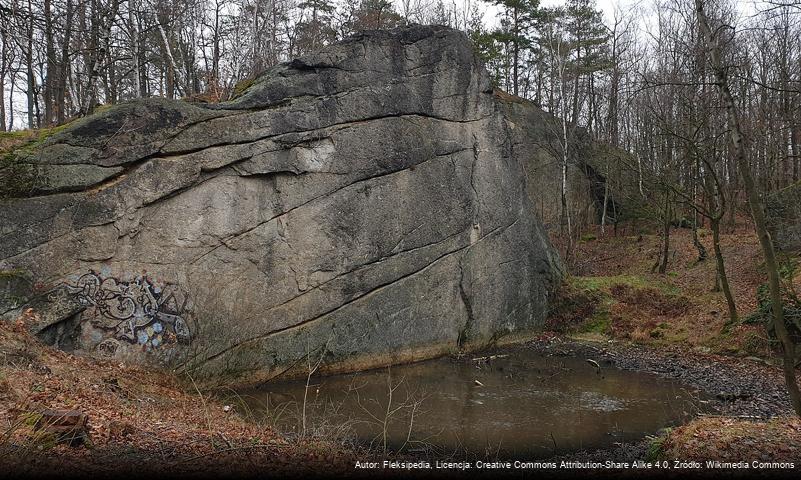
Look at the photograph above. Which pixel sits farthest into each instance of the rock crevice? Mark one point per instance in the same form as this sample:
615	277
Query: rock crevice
364	200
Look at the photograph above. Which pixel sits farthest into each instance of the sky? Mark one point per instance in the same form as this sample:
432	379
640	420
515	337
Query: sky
746	7
607	6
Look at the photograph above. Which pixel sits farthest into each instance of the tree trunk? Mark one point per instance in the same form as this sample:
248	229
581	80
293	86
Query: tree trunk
576	86
516	53
795	147
10	126
698	245
133	27
665	236
51	76
90	95
606	200
3	68
722	277
59	102
31	82
110	72
756	206
171	67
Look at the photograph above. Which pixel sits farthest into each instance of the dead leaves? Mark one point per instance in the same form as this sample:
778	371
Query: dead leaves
133	412
734	439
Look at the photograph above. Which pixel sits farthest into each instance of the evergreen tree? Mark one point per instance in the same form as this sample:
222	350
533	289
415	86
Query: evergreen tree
589	39
515	35
486	45
374	15
315	28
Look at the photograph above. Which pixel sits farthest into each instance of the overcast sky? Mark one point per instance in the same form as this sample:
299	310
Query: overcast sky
746	7
646	7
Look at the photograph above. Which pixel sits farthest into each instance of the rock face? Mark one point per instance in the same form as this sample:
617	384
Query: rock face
364	205
784	217
537	139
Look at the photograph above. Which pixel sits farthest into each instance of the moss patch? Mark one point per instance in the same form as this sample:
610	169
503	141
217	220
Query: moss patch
242	85
17	175
15	273
27	141
626	306
571	306
15	139
598	323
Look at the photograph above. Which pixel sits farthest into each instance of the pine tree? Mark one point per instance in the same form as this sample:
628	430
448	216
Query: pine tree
315	28
589	39
374	15
515	35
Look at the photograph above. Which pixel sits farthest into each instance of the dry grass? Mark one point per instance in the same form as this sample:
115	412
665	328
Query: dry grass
135	415
12	140
679	307
734	440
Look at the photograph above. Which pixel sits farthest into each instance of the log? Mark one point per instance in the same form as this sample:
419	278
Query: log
68	426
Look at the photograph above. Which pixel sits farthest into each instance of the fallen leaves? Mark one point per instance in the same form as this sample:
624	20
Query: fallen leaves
680	307
733	439
135	414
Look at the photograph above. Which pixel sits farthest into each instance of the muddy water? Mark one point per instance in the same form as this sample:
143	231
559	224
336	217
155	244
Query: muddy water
523	404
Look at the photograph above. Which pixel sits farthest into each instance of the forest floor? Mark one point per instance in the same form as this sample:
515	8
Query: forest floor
139	421
673	324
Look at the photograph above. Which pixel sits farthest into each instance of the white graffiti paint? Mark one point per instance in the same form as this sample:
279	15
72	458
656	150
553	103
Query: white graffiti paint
140	311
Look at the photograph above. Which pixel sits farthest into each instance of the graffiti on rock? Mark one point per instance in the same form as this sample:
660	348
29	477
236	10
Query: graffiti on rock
139	311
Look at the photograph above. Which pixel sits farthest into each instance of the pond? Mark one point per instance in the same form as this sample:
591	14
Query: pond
513	405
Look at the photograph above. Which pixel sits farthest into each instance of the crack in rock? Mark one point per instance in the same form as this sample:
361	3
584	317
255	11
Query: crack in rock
367	198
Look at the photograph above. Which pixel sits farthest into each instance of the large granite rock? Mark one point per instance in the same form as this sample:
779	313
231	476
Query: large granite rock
592	167
364	205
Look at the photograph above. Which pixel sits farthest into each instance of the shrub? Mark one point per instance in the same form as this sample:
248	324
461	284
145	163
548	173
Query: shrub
570	306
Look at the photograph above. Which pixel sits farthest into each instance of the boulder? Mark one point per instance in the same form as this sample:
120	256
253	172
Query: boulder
361	206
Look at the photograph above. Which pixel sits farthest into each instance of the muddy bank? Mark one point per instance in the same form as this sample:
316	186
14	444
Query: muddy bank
736	387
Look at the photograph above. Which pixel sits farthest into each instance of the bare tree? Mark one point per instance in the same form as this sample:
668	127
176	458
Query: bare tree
713	38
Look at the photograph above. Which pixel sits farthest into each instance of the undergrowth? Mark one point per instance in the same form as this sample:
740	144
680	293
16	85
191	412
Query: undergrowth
791	303
603	305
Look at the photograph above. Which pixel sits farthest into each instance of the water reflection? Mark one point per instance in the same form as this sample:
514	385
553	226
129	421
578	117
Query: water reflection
522	404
